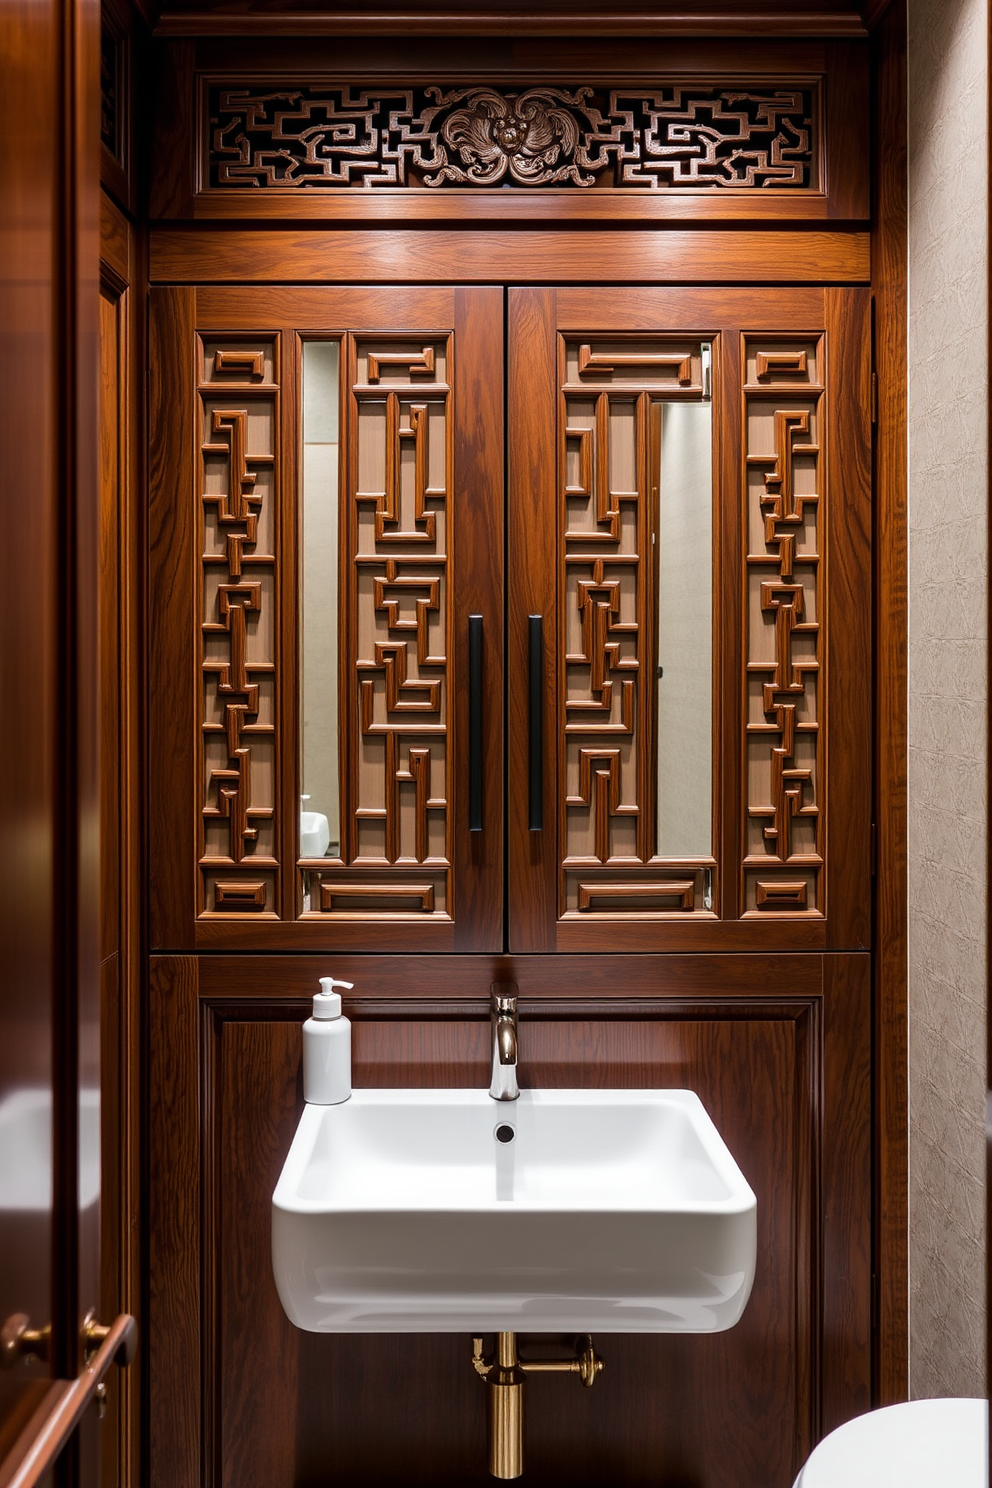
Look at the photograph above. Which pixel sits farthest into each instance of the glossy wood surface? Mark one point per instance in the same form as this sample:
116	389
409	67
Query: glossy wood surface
678	1409
122	349
180	915
635	20
670	256
29	36
49	799
536	319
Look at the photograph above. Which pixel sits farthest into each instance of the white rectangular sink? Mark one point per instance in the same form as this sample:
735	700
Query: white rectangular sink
613	1210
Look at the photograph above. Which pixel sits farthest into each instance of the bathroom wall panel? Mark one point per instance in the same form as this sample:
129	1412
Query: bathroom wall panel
781	1074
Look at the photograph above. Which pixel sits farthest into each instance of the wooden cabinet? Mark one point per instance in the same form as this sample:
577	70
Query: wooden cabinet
328	615
407	720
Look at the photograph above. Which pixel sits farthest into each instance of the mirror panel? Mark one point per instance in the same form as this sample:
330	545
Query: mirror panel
320	829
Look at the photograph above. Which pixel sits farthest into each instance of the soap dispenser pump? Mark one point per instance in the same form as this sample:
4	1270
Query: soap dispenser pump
327	1048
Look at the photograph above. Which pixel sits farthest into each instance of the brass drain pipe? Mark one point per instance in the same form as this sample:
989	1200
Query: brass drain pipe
506	1375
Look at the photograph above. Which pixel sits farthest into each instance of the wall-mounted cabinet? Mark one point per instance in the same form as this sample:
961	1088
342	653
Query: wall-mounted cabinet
664	529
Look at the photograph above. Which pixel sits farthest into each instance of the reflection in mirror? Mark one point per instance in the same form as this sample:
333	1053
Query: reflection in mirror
685	628
319	803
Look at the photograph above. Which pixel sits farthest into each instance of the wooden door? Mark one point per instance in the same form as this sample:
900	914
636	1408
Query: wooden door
735	813
257	666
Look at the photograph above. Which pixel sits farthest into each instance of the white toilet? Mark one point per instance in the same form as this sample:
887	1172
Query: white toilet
921	1444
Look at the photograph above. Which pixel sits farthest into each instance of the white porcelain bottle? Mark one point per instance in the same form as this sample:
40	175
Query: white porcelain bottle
327	1048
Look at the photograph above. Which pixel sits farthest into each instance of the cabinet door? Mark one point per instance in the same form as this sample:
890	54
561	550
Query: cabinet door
326	618
689	658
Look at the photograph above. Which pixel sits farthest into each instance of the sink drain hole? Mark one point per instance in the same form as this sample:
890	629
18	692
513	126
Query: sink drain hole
505	1133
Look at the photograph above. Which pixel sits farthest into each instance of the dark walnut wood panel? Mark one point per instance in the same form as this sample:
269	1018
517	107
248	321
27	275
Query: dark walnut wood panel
792	670
420	502
462	983
635	20
673	1409
674	256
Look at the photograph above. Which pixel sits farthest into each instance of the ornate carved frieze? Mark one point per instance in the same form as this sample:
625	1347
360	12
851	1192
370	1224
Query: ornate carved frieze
664	136
238	400
783	832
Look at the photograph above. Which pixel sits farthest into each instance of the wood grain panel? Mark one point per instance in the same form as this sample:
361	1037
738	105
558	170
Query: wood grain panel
693	1409
224	543
175	1255
846	1146
674	256
733	20
173	718
478	545
461	984
531	591
848	623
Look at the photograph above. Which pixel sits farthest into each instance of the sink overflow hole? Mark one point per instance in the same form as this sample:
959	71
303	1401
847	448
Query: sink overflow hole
505	1133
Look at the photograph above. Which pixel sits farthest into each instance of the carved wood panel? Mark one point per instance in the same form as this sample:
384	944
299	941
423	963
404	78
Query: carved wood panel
669	135
396	695
609	461
785	438
784	786
239	411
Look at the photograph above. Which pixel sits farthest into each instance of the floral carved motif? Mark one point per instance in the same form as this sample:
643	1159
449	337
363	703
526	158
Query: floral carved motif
663	137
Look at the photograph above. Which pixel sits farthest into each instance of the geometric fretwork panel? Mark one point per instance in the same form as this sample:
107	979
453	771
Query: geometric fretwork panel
238	412
783	473
609	452
398	708
677	135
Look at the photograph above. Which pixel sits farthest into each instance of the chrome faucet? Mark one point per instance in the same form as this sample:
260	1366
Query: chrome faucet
503	1011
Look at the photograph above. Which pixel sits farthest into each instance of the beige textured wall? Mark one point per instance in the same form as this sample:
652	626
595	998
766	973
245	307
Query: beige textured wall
947	686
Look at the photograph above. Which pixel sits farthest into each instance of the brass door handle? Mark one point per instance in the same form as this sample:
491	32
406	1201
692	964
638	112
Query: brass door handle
19	1341
96	1334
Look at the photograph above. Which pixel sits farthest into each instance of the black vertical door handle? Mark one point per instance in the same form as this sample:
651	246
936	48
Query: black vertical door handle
475	723
535	783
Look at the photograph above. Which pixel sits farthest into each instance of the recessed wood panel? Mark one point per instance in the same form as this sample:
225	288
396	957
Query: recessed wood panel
670	1410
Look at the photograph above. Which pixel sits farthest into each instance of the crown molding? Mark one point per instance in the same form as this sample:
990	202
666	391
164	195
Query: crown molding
601	22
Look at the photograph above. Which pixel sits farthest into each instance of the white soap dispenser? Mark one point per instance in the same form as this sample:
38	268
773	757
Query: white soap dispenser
327	1048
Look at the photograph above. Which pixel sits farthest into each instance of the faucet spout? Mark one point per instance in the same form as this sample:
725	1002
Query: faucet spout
503	1011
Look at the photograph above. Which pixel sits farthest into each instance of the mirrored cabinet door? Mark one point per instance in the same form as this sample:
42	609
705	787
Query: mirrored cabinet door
689	614
327	552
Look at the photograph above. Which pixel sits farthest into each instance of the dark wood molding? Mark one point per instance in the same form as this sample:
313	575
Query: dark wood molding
891	1258
576	21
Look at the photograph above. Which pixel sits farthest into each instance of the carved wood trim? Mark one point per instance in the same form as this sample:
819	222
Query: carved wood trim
239	465
783	414
682	890
738	135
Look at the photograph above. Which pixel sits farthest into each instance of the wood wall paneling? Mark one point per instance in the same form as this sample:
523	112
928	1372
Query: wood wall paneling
240	255
757	1065
122	346
172	538
637	20
176	1323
